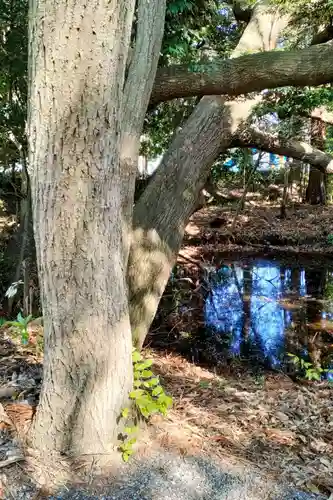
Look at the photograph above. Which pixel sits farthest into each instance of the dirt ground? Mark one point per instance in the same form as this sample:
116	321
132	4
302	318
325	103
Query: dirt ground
284	428
281	427
306	229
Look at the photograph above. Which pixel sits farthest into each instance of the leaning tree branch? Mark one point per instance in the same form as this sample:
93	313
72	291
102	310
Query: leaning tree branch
253	138
249	73
137	90
144	59
323	114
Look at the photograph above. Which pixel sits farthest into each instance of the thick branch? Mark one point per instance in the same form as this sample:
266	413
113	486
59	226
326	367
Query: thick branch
142	69
137	90
249	73
323	114
252	138
162	212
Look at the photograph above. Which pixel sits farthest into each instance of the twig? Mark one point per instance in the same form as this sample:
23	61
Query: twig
10	461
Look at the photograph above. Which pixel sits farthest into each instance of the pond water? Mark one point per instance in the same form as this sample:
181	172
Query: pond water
263	309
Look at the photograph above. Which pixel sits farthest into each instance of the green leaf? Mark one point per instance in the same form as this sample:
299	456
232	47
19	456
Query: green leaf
125	412
136	394
147	374
28	319
157	391
125	456
137	383
143	401
139	367
130	430
13	323
144	412
153	382
164	399
136	356
146	364
152	408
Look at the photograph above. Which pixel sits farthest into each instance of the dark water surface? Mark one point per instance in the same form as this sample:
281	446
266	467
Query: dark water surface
261	309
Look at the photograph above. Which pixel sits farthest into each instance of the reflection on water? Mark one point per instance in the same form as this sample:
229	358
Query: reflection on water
264	309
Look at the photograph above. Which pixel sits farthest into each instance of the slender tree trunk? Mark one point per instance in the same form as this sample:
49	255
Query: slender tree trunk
163	210
77	65
316	190
283	207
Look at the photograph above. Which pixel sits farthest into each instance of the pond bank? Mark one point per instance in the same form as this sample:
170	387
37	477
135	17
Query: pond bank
307	229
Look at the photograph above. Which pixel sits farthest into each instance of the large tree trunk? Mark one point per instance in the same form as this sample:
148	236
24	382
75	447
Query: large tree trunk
85	119
77	66
316	190
163	210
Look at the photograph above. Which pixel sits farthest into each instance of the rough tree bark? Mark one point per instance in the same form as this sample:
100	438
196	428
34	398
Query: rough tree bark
316	190
162	212
82	130
248	73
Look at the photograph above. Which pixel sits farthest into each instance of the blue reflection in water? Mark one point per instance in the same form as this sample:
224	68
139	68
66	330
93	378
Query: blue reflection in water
268	319
244	303
218	312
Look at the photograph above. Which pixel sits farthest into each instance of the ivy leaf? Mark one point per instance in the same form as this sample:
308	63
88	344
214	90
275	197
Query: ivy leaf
136	394
153	382
136	356
130	430
157	391
146	364
125	412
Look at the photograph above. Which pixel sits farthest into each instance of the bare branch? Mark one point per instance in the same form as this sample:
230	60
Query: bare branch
253	138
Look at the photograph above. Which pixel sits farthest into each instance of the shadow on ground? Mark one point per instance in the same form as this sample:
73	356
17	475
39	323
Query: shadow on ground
166	476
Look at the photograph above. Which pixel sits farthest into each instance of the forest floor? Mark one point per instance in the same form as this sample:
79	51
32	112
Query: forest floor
306	229
266	424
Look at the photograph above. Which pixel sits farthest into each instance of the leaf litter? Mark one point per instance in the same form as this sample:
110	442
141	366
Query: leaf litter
283	427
